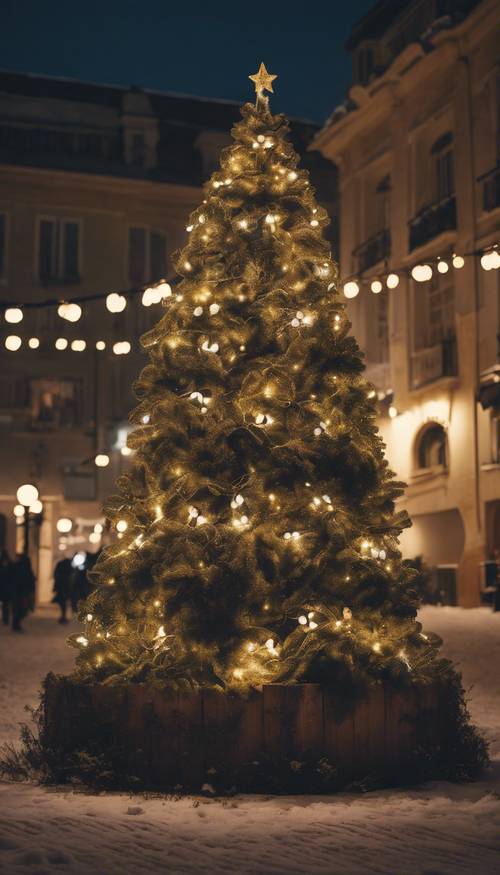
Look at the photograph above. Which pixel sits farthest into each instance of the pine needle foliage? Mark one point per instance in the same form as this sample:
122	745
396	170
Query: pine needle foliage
261	539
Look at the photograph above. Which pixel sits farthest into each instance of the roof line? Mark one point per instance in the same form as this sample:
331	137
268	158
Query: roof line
125	88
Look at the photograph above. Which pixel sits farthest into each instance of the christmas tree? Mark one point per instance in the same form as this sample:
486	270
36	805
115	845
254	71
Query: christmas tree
258	536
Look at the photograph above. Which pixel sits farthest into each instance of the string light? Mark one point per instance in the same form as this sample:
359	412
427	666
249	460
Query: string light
78	345
121	526
13	342
443	266
61	343
13	315
33	343
100	345
351	289
64	525
376	287
102	460
116	303
392	281
458	262
69	311
421	273
122	347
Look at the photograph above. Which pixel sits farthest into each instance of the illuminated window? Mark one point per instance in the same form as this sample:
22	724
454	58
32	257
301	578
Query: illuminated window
55	403
432	451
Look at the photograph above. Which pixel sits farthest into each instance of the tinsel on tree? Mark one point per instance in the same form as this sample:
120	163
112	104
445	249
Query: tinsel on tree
258	536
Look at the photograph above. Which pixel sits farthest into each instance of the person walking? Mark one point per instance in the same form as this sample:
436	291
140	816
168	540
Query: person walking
63	574
23	590
5	585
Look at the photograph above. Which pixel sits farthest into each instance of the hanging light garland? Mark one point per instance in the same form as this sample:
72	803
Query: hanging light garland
156	293
421	271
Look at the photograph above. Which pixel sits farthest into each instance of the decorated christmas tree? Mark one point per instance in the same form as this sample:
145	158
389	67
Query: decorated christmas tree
257	530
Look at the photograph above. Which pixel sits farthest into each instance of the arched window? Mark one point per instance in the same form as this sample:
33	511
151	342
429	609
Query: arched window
432	447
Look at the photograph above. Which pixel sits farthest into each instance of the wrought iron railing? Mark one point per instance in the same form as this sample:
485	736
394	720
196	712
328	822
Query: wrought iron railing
434	362
373	250
432	221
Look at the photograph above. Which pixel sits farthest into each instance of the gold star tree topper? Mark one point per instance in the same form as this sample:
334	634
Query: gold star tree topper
263	80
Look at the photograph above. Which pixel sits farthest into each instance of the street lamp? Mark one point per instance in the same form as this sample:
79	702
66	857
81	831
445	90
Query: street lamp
26	495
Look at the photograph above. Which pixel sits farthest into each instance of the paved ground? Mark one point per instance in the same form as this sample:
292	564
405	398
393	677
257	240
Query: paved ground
438	829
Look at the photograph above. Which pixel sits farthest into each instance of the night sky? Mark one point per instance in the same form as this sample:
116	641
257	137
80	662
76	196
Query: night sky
209	49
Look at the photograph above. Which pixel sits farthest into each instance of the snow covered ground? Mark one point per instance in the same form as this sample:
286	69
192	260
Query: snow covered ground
437	829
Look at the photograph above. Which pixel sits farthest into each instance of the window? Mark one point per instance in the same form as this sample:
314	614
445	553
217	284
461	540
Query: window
138	150
3	245
364	64
58	250
383	204
147	255
382	326
78	481
434	311
55	403
442	151
432	447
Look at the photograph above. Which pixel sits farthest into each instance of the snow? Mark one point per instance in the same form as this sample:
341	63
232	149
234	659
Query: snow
437	829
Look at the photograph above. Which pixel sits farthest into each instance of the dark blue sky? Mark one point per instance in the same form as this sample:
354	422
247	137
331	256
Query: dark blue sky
209	49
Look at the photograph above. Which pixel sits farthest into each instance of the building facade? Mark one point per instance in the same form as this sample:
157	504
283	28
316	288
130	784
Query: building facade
96	185
417	147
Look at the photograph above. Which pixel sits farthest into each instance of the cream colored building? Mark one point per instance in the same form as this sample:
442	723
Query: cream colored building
96	185
417	146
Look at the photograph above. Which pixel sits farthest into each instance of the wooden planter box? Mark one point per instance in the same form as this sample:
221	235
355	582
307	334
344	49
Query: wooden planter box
172	739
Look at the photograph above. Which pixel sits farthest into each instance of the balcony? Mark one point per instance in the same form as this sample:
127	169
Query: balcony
373	250
491	189
432	221
433	363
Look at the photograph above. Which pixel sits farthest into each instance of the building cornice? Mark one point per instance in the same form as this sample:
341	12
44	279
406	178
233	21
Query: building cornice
118	185
376	102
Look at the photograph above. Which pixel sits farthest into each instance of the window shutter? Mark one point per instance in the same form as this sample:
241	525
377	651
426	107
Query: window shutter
158	255
2	245
70	250
136	255
46	249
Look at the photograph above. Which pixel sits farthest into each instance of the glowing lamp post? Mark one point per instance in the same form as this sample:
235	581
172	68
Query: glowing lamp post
27	495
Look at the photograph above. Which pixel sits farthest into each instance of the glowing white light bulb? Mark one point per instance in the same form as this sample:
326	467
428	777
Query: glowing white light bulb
392	281
393	412
302	620
33	343
102	460
122	347
69	311
36	507
100	345
351	289
115	303
61	343
421	273
13	315
78	345
13	342
198	311
376	287
121	526
18	510
126	451
214	309
443	266
458	262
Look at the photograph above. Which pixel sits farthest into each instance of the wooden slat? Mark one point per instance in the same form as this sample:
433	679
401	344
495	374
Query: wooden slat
307	721
165	763
191	747
338	736
276	728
